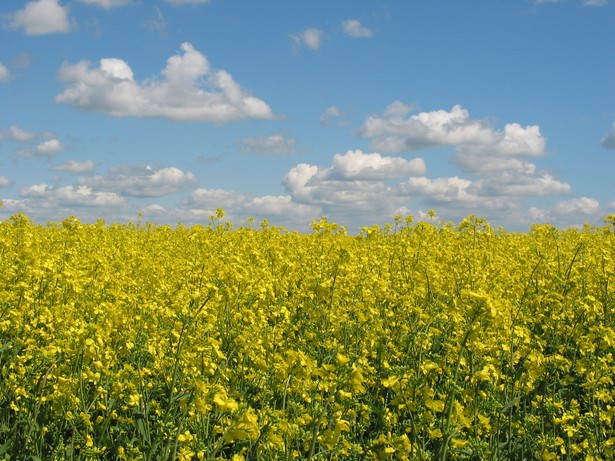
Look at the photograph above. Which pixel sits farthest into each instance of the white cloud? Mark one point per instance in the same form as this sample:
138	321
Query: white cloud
14	133
353	28
188	89
356	165
355	181
312	38
331	112
519	184
49	148
583	205
594	2
393	132
50	196
107	4
568	212
157	23
42	17
538	216
454	195
75	167
445	190
275	144
513	140
141	181
5	75
210	199
497	157
280	209
4	181
608	140
398	109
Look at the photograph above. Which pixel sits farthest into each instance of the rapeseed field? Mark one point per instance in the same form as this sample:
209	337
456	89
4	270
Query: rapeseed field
410	341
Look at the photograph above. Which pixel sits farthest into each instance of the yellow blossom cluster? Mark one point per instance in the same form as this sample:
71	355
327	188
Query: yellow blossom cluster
410	341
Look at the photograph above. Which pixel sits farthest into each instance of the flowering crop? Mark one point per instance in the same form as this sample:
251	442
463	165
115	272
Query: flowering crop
405	342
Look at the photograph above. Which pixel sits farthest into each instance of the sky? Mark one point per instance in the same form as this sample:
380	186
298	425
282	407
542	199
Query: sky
287	110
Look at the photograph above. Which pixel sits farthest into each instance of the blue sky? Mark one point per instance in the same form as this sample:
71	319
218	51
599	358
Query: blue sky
291	110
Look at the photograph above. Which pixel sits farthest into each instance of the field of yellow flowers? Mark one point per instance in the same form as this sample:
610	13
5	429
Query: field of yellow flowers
410	341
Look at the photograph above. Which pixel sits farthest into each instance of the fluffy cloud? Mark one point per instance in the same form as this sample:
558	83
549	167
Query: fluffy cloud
497	157
5	75
49	148
583	205
14	133
42	17
75	167
280	209
188	89
275	144
50	196
210	199
443	190
4	181
355	182
393	132
107	4
608	140
522	184
356	165
140	181
312	38
354	29
568	212
332	112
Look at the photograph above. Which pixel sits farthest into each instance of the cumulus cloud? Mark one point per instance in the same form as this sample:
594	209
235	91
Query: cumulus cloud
14	133
187	89
497	157
281	209
393	132
42	17
75	167
107	4
312	38
567	212
327	115
275	144
355	182
522	184
140	181
50	196
5	75
608	140
442	190
49	148
583	205
354	29
4	181
356	165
